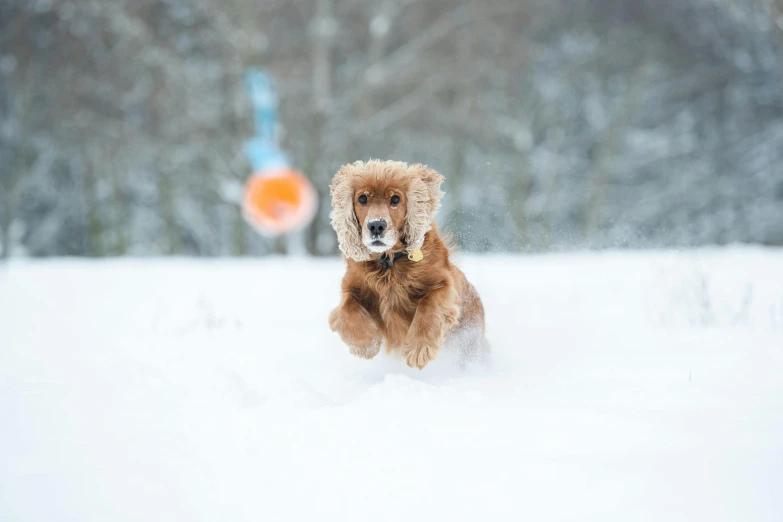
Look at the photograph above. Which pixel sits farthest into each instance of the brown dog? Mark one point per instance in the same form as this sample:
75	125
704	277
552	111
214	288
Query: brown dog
399	286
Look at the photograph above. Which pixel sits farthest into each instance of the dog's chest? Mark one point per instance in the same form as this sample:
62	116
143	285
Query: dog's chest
393	303
397	301
396	318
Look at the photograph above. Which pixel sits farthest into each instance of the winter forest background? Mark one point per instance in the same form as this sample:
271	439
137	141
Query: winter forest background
560	124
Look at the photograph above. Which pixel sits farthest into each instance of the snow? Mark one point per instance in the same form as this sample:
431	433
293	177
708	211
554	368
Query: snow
624	386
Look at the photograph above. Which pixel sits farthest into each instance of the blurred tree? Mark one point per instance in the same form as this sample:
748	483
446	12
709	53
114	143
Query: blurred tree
558	123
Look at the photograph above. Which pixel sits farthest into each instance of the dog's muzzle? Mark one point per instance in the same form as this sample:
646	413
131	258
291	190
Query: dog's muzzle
377	236
377	228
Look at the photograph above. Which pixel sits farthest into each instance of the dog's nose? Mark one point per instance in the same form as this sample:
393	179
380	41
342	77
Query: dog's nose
377	227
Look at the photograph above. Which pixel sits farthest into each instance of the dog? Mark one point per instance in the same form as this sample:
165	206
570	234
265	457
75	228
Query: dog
399	287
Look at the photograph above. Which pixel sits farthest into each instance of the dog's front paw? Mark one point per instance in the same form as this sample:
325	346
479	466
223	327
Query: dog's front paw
367	352
358	331
336	320
419	352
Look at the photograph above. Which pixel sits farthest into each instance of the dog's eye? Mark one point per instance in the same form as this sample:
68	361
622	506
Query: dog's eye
363	199
395	200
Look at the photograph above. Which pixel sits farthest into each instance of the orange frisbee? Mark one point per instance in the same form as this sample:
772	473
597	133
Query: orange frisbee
279	202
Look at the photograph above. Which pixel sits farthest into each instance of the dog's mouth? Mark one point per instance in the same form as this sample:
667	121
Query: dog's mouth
378	244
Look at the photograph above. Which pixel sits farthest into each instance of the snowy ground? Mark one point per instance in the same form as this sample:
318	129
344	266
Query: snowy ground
625	387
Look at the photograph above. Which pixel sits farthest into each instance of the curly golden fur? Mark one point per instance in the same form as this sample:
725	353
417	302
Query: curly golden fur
414	307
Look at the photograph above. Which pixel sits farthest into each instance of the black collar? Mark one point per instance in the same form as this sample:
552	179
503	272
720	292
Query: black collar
387	262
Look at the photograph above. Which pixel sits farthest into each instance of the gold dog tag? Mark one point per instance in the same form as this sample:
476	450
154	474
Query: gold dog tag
415	255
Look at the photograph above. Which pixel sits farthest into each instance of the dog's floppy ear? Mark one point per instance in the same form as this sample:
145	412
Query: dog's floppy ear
423	201
343	219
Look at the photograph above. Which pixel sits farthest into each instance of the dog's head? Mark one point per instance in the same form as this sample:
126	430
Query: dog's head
383	205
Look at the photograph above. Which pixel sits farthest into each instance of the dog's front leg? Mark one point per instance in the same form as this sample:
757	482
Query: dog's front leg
356	327
435	312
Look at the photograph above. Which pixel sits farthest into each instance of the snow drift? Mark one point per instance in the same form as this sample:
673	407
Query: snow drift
623	386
